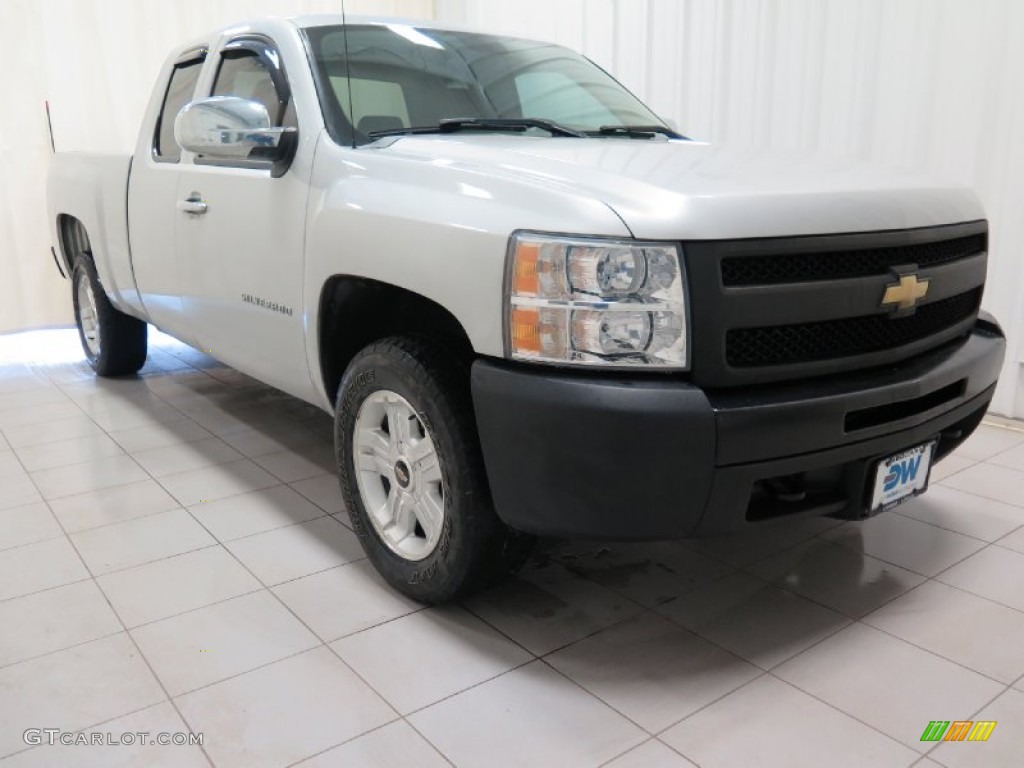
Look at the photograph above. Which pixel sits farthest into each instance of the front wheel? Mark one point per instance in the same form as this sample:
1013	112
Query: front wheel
412	474
114	343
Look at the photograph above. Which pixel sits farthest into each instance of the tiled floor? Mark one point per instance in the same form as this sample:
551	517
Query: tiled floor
174	557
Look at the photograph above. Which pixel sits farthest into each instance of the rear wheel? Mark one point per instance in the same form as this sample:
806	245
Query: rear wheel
114	343
412	474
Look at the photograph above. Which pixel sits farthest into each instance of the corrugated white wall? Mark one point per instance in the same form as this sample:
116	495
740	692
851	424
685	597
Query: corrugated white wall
926	84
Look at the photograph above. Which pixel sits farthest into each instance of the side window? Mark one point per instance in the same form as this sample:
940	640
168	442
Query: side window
242	73
179	93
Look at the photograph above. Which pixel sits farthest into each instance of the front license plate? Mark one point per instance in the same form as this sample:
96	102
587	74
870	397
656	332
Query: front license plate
900	478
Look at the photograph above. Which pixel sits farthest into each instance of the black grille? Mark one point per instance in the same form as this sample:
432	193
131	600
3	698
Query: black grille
836	265
830	339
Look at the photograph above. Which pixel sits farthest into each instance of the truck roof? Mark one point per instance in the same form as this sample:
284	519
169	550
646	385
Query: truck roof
328	19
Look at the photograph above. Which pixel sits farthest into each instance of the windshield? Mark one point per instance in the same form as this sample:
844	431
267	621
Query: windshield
403	77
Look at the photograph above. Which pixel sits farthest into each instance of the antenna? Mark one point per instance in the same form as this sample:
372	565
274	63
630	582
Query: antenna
49	126
348	74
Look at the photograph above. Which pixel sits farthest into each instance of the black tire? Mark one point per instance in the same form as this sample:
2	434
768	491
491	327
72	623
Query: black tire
120	345
475	548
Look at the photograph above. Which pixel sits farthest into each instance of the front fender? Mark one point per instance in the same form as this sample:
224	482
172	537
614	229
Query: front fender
438	230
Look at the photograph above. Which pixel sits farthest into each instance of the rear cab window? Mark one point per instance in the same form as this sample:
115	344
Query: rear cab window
180	90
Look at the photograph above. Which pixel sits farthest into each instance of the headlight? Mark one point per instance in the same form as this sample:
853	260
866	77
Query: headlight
595	302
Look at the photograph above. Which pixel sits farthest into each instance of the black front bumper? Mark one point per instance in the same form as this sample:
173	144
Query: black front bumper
586	455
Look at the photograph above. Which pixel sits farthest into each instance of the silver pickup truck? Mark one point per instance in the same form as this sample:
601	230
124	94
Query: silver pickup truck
531	306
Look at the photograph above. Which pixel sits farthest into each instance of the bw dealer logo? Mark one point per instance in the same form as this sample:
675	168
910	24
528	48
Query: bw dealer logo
902	472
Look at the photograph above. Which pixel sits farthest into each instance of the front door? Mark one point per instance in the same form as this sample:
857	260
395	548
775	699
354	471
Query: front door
240	237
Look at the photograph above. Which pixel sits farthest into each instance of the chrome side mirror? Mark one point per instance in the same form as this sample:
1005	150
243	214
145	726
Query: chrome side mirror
226	127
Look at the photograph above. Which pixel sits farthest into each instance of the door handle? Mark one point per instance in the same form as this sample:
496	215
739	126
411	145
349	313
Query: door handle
193	204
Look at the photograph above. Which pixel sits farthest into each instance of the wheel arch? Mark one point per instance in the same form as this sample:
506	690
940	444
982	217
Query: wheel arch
72	241
356	311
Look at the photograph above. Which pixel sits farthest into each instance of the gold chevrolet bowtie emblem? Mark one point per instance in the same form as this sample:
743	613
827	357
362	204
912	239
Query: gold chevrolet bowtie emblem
906	293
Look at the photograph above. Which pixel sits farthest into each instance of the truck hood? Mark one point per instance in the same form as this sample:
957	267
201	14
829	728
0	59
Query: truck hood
689	190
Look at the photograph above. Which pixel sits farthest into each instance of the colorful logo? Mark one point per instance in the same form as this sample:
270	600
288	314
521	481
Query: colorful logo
902	473
958	730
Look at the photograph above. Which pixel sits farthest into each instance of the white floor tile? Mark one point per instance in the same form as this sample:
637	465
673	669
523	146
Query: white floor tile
1013	458
18	491
887	683
52	620
175	585
837	577
10	465
648	573
427	656
530	716
63	453
27	525
212	483
54	431
771	723
31	398
908	543
298	550
344	600
35	567
220	641
296	464
988	441
282	713
996	573
394	746
1014	541
970	630
964	513
992	482
747	547
114	547
651	754
74	688
949	466
651	670
112	505
159	435
260	442
759	622
127	414
546	607
14	418
182	457
89	476
256	512
323	491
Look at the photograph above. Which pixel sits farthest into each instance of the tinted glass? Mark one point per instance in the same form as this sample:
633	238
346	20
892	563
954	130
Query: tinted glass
179	93
405	76
245	75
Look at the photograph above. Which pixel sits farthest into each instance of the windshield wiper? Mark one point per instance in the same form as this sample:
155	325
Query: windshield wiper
637	131
514	124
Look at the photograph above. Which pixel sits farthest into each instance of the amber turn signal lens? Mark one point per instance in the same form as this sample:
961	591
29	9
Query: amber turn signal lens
525	280
526	331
